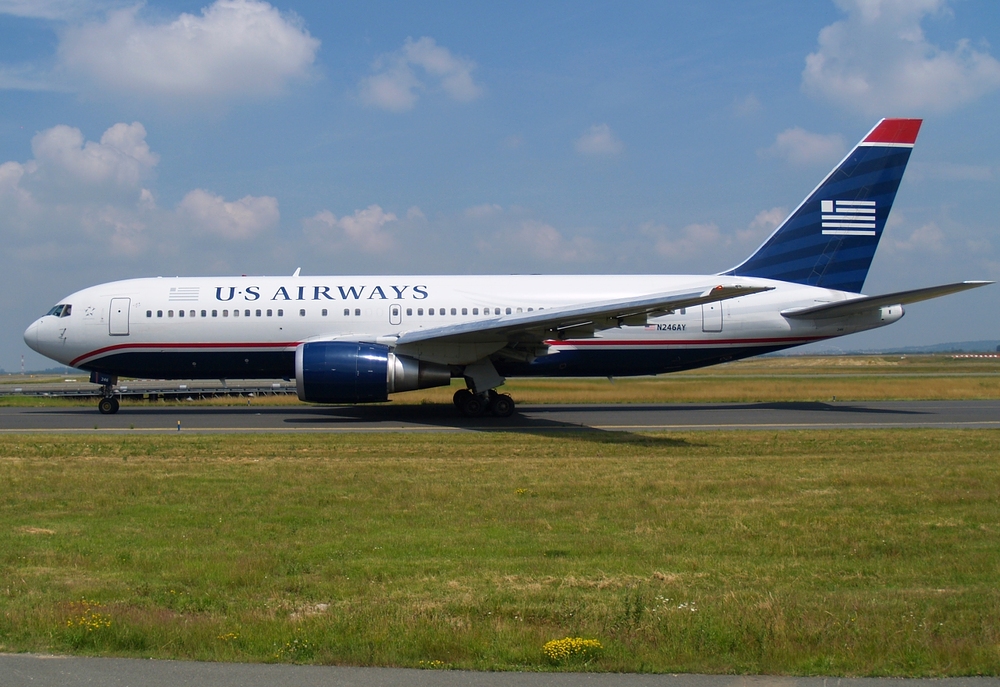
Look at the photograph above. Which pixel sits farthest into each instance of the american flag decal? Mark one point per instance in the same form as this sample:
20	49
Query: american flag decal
848	217
183	293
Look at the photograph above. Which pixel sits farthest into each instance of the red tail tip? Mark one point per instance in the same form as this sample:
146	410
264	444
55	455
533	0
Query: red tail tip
895	131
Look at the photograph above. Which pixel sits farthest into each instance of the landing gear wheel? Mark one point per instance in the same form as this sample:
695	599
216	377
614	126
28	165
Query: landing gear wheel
108	406
502	405
473	405
459	398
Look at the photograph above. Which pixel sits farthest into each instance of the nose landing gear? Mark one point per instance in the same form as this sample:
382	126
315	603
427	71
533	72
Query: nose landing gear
108	405
489	403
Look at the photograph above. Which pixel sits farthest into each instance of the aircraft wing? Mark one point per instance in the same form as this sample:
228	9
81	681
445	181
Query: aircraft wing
863	304
574	320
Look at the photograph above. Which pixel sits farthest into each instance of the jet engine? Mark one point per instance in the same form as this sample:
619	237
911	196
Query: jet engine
351	372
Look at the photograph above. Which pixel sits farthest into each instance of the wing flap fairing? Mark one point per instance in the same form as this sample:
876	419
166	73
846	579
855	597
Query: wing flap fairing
549	323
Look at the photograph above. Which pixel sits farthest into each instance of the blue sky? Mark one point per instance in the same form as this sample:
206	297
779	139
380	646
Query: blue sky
241	137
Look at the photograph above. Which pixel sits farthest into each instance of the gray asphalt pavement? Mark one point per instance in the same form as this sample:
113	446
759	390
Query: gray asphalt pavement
17	670
388	418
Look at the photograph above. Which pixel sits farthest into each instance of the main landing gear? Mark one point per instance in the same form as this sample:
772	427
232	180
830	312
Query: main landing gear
489	403
108	405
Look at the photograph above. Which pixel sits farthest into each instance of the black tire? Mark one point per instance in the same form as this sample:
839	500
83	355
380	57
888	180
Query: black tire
107	406
502	405
459	398
473	405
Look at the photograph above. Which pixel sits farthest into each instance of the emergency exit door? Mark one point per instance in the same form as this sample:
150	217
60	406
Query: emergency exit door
118	321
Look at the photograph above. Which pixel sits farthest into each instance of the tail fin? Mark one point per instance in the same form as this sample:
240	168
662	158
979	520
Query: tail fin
830	239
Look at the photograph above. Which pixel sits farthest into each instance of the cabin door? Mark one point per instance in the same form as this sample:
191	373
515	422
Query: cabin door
711	317
119	316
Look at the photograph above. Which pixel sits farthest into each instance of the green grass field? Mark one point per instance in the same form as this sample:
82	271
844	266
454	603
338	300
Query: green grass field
828	552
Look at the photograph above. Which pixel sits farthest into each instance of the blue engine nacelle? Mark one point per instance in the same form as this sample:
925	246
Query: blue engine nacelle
350	372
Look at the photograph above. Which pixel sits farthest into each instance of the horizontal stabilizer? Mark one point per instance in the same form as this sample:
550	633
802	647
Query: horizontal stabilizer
864	304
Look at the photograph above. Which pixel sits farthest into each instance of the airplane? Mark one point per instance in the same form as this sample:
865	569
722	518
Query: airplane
358	339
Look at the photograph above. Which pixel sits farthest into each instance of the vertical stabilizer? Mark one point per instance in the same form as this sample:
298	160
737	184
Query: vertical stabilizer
830	239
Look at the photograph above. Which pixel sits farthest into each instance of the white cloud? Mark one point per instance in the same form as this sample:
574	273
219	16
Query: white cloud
927	238
801	147
599	140
122	158
747	105
48	9
545	242
878	61
241	219
364	229
691	241
513	142
762	225
483	211
233	48
396	87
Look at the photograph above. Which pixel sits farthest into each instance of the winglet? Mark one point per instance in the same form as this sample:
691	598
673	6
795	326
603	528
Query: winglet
894	132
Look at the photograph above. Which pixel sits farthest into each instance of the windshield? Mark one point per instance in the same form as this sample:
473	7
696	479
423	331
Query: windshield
61	310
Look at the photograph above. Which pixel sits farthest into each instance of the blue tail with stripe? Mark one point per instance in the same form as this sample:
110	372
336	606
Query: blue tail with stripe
830	239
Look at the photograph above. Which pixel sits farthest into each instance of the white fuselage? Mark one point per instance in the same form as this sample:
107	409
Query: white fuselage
249	327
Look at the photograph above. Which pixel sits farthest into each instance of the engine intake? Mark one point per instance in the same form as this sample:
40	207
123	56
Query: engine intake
350	372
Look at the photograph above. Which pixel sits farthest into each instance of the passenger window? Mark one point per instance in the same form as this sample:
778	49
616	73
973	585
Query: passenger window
420	311
269	312
258	313
180	313
324	312
465	311
430	311
347	312
530	309
684	311
508	311
409	312
281	313
170	313
455	312
357	312
159	313
475	311
215	313
236	313
149	313
246	313
519	310
302	313
225	313
204	313
192	313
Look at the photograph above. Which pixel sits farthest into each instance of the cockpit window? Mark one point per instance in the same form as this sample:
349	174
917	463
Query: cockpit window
61	310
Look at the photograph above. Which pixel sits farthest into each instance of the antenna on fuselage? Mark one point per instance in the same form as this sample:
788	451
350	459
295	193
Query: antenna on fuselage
297	270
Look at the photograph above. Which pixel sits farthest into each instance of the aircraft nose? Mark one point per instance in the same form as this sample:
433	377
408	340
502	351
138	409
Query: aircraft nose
31	336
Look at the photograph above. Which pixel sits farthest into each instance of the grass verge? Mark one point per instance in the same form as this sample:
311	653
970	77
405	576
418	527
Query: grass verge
836	552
